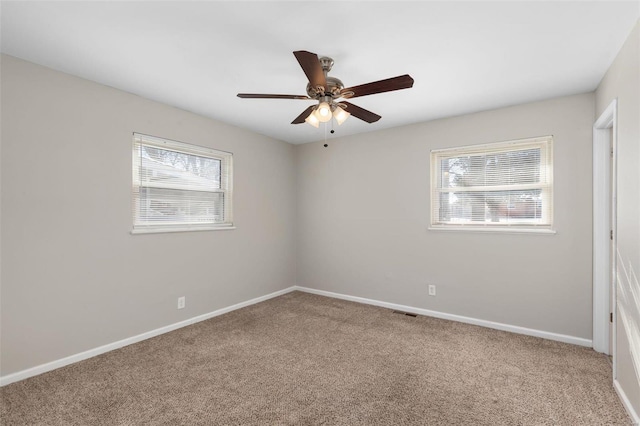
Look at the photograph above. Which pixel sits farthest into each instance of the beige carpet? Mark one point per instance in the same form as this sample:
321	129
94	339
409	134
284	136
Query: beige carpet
302	359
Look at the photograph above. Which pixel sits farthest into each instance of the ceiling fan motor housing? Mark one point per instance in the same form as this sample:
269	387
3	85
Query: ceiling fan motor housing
333	85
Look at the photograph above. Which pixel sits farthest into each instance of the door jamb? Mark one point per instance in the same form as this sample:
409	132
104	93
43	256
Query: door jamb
604	229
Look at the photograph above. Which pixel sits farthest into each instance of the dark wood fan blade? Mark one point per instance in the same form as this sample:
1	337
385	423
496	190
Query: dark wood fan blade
268	96
388	85
311	67
300	119
361	113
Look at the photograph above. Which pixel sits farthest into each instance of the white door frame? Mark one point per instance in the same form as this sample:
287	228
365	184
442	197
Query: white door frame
604	228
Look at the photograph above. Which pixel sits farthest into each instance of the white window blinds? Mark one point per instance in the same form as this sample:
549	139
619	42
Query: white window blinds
500	185
178	186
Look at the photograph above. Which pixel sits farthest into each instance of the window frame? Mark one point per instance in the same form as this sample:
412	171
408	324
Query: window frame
545	143
226	185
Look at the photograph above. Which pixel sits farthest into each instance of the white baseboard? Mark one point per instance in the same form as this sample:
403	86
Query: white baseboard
468	320
625	401
43	368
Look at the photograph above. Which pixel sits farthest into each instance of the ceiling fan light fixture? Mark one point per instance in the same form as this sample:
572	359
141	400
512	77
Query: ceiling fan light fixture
323	112
340	115
312	119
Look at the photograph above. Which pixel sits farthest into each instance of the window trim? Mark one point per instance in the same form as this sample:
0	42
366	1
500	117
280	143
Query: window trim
546	145
226	184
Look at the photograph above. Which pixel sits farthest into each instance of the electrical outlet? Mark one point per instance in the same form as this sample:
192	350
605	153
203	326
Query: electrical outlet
181	302
432	290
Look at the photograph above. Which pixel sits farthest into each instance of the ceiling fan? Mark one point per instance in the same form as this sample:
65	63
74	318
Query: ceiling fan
329	90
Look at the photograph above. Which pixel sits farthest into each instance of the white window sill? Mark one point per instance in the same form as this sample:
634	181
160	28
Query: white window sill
507	230
180	229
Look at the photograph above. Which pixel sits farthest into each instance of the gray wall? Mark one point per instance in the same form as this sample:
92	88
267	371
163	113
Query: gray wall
73	277
622	81
363	213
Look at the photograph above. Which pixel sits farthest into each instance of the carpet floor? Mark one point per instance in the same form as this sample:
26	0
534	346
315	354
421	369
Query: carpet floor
302	359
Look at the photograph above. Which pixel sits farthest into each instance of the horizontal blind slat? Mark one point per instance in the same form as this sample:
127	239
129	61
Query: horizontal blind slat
492	188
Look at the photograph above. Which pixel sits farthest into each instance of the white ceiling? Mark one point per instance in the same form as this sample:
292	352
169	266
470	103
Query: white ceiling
464	56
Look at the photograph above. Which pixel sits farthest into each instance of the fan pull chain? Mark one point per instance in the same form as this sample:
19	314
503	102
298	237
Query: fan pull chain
325	132
325	135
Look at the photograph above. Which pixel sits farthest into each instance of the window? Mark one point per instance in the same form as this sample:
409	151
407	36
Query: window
499	186
180	187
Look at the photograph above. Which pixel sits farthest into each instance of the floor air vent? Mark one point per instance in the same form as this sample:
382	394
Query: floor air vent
409	314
